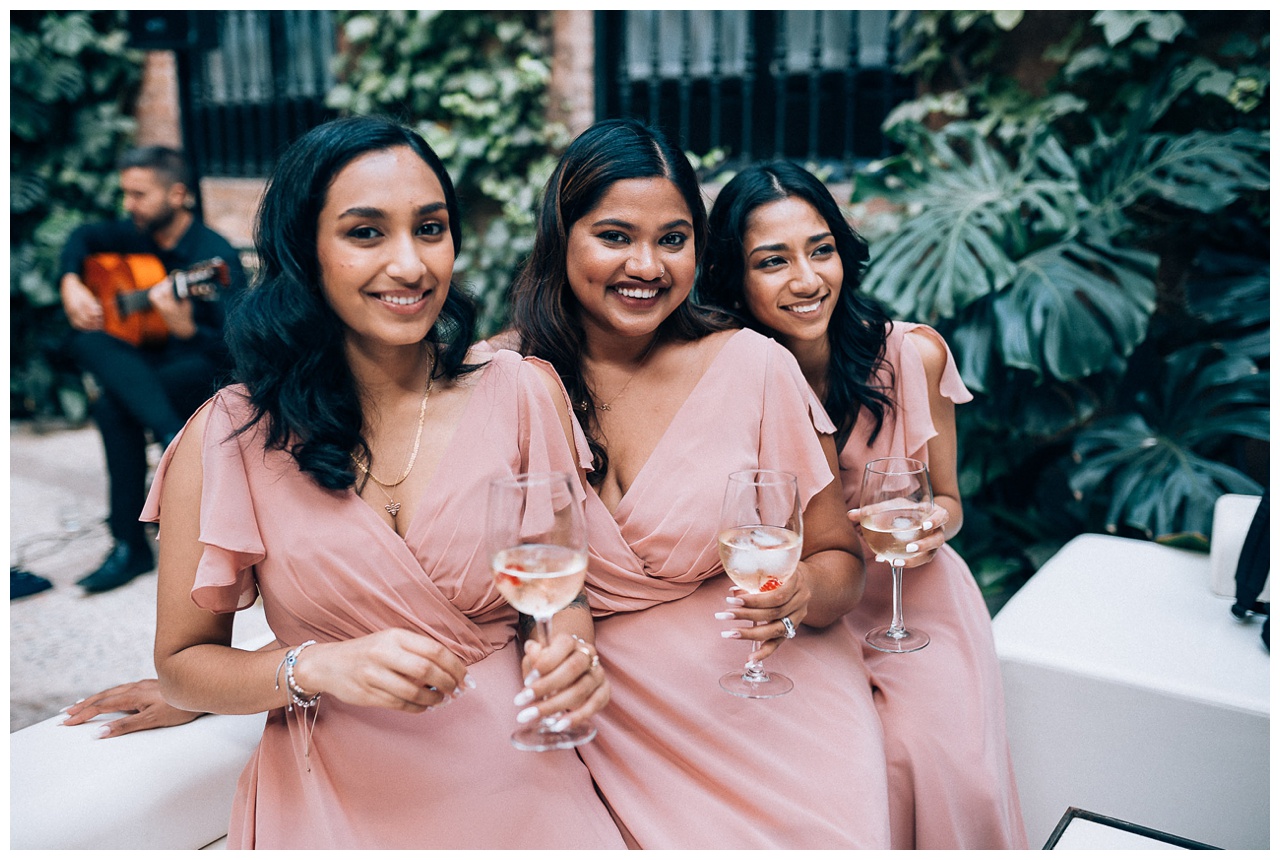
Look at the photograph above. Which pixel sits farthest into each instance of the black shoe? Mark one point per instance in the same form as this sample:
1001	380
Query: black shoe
122	565
24	583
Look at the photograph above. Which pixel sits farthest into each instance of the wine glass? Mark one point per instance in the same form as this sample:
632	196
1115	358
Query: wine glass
760	540
896	501
537	543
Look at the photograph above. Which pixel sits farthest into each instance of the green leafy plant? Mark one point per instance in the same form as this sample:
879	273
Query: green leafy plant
1070	244
475	85
1157	470
72	80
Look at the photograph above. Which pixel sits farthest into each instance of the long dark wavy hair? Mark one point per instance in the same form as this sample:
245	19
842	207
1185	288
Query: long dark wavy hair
859	324
544	311
287	343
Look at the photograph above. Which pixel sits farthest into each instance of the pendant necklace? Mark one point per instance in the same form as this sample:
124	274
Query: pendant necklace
393	507
607	407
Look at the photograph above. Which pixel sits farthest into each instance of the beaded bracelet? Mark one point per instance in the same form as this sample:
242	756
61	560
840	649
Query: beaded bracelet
300	697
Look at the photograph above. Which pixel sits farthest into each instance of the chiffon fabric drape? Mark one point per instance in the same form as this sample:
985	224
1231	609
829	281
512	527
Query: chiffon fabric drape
683	763
328	568
951	781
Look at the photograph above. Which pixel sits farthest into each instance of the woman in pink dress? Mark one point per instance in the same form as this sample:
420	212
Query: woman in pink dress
672	401
785	261
343	480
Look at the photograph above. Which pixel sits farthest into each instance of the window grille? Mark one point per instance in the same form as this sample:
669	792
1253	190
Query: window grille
812	85
258	83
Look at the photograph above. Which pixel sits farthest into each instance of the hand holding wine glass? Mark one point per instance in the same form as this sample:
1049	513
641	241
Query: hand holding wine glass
538	550
895	507
761	536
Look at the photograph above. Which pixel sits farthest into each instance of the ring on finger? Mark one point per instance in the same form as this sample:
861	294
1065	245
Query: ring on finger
588	652
791	628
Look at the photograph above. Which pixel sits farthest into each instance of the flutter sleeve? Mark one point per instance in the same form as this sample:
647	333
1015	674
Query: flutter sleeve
913	388
790	421
546	450
228	525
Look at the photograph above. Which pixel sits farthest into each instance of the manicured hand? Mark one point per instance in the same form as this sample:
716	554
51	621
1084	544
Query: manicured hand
141	700
932	536
787	599
562	678
396	669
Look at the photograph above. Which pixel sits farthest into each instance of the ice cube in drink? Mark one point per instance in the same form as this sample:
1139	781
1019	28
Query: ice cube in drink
759	558
888	532
539	579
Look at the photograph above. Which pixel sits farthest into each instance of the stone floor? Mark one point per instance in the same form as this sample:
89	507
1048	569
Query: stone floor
65	644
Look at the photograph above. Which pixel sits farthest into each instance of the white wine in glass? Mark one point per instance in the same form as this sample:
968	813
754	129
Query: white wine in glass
761	535
896	501
537	541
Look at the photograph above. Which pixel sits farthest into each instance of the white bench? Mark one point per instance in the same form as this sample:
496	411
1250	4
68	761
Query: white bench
163	788
1132	691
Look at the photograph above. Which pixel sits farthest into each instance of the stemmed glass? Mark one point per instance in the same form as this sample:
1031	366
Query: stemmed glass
537	543
896	501
760	538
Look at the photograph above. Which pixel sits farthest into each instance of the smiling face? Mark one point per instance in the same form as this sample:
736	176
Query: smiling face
384	248
631	259
793	272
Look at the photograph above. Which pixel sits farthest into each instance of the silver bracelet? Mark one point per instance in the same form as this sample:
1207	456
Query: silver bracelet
299	696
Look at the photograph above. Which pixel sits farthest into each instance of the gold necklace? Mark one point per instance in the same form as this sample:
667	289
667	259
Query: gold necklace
606	407
393	507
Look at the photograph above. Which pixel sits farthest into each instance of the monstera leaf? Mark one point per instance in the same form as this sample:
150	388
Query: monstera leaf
1202	171
1231	293
973	216
1154	466
1074	307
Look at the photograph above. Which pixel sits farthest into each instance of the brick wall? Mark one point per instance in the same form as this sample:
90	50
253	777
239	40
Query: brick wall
229	204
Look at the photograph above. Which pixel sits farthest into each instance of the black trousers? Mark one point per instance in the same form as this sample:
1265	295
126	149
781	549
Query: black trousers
143	389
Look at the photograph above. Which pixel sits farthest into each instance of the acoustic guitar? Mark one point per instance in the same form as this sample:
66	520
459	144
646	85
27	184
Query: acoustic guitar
121	283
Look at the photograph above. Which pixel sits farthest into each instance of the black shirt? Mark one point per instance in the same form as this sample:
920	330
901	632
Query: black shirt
197	245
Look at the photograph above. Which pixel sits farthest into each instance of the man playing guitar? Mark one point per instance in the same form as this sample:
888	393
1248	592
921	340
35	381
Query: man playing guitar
153	386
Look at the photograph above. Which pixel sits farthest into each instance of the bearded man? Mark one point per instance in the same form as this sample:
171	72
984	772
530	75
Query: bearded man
149	388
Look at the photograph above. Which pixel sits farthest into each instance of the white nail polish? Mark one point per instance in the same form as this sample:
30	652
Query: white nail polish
523	698
560	725
912	547
102	732
533	675
526	715
927	525
730	634
469	681
725	616
735	601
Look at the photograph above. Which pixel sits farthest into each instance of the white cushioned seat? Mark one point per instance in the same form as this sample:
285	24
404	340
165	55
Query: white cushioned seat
1132	691
164	788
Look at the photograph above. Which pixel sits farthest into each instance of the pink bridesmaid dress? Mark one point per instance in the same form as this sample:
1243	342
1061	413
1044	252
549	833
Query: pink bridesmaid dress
951	782
682	763
327	568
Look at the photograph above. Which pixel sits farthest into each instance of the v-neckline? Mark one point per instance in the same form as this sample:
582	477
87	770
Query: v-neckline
411	527
623	501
